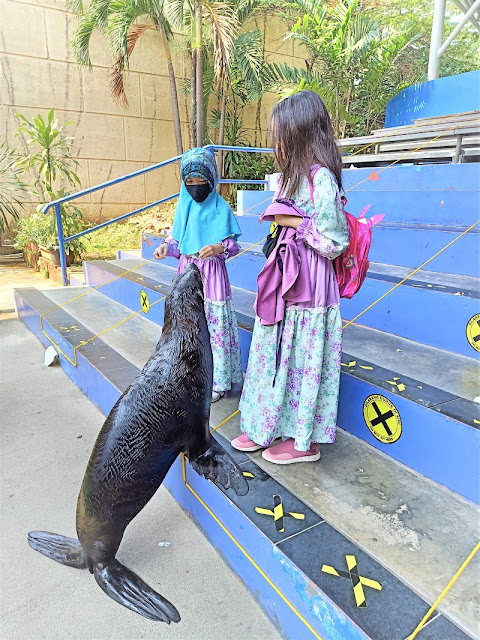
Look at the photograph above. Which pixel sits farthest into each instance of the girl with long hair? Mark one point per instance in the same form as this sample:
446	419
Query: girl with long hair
292	381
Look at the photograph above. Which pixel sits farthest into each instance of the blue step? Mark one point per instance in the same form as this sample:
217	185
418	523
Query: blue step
444	194
412	246
425	409
426	177
425	296
275	563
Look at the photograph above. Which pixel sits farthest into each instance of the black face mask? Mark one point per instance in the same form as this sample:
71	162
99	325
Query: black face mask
199	192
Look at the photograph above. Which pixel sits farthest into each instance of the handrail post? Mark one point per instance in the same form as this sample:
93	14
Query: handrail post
61	244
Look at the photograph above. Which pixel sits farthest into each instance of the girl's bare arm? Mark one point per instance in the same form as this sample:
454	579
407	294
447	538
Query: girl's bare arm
288	221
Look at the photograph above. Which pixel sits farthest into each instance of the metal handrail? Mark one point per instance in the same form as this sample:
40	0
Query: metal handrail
79	194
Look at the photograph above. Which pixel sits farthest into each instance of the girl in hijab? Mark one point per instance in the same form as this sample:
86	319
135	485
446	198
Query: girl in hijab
204	232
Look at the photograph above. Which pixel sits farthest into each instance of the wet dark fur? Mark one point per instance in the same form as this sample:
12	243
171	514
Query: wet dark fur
163	412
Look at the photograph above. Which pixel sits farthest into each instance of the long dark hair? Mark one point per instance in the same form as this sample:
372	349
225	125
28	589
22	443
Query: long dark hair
302	133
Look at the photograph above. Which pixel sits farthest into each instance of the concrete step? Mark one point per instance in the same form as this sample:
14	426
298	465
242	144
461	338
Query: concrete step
414	310
436	414
406	533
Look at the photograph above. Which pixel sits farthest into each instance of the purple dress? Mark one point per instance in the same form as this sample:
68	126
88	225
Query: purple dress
219	310
297	395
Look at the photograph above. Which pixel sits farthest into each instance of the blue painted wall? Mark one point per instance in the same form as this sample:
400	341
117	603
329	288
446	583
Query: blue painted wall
453	94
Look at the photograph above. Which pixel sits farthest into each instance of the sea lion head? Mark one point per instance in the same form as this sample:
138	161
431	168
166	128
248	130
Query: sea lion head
184	304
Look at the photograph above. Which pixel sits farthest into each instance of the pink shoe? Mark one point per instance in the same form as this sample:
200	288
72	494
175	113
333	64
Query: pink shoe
243	443
285	453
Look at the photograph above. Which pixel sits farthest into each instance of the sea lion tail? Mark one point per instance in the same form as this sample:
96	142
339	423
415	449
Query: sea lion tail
65	550
216	465
126	588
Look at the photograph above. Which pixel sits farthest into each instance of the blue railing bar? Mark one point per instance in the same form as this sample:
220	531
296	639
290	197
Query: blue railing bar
120	218
226	181
85	192
61	244
223	147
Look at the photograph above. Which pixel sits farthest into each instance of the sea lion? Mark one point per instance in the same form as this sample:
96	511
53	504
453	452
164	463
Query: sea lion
163	412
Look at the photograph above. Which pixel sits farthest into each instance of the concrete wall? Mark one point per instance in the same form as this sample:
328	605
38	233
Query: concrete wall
445	96
38	72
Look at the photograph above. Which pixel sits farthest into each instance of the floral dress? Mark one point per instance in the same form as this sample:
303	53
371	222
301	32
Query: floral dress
219	311
299	399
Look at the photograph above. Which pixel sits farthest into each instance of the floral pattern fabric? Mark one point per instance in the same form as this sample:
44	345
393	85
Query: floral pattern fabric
291	388
222	325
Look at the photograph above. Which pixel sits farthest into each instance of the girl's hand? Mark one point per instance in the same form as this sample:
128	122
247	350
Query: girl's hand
161	251
288	221
211	250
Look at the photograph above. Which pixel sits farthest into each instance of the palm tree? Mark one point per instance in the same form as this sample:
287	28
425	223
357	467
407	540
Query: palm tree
208	22
351	57
118	21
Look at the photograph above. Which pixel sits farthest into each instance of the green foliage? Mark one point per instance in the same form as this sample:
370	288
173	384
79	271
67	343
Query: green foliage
461	56
353	61
11	187
52	164
34	228
361	54
51	154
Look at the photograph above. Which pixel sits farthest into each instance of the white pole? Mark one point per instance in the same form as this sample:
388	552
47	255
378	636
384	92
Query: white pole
436	39
464	9
459	27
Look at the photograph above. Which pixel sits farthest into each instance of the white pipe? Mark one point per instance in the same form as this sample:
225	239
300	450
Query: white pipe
436	39
464	9
459	27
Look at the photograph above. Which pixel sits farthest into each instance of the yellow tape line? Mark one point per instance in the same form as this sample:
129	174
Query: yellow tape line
226	420
247	555
410	275
444	592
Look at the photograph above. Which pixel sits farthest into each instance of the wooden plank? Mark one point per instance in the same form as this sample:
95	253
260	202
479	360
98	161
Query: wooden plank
466	115
440	143
407	137
405	157
356	142
433	132
427	128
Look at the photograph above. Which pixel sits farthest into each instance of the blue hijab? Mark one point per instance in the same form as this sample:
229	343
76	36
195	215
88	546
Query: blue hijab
197	224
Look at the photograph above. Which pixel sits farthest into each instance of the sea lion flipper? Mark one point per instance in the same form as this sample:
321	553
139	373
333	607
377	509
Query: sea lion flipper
65	550
216	465
128	589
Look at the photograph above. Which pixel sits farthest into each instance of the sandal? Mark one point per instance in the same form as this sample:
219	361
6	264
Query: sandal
217	395
285	453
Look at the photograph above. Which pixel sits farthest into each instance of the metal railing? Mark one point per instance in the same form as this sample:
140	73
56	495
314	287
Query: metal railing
56	204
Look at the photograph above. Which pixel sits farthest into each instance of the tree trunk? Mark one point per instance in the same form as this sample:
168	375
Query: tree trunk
173	92
193	98
221	128
199	79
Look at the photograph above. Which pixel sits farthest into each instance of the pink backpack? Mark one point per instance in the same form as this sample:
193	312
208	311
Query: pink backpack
351	267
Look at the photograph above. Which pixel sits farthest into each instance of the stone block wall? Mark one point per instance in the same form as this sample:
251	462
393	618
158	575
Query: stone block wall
38	72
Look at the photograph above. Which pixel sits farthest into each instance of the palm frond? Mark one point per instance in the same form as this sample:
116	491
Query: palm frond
81	39
117	70
223	24
76	6
245	9
248	62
